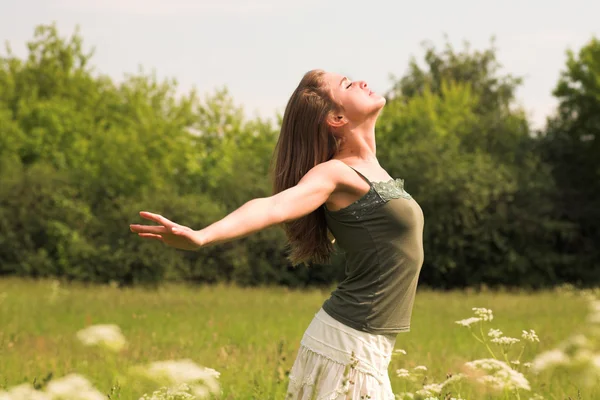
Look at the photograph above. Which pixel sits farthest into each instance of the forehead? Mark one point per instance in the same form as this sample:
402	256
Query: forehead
333	78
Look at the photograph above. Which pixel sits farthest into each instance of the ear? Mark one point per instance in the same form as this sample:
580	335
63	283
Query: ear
335	120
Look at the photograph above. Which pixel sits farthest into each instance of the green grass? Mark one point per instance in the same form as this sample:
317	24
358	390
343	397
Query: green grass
250	335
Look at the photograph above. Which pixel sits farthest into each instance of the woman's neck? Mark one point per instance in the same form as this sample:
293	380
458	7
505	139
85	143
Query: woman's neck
359	144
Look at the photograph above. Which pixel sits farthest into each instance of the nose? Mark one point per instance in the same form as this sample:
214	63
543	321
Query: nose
363	84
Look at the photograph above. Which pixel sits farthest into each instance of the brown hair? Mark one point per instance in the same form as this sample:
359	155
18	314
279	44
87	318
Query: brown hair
305	140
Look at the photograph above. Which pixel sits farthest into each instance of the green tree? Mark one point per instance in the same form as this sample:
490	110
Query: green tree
571	144
453	130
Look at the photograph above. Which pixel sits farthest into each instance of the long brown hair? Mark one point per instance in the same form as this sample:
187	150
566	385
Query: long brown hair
305	140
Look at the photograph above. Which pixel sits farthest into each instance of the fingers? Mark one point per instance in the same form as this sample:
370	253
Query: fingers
151	236
147	228
156	218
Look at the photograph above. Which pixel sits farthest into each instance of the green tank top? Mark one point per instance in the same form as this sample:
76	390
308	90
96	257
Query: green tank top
381	234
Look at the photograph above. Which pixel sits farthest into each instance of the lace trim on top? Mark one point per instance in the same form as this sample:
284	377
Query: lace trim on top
379	193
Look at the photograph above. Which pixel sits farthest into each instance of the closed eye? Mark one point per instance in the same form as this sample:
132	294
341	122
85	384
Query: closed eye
348	87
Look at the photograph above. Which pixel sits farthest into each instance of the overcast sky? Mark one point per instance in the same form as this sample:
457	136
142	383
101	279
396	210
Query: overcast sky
260	49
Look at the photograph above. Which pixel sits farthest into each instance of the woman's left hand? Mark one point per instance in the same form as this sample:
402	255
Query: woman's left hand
168	232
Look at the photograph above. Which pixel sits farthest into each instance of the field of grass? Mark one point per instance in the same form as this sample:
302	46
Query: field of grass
251	335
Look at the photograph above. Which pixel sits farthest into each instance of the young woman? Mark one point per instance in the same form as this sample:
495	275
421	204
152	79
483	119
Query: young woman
329	186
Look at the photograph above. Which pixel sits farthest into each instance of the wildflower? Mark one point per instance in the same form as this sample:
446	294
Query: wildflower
201	380
420	368
405	395
483	313
400	351
527	365
73	387
594	318
468	321
402	373
596	361
549	359
575	343
487	364
180	393
505	341
108	336
24	392
433	387
424	393
516	362
495	333
530	336
501	375
453	378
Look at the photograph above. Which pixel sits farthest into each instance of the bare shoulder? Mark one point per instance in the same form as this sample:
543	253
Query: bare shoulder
332	172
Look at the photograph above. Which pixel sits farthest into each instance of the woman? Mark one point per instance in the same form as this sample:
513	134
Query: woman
328	185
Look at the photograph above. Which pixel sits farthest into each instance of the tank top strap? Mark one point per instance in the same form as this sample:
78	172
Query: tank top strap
364	177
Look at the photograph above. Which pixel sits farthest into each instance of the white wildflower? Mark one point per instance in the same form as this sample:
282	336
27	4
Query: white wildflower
433	388
516	362
513	379
594	318
180	392
595	306
405	395
549	359
530	336
108	336
495	333
493	381
575	342
402	373
432	398
453	378
24	392
501	375
487	364
527	365
424	393
73	387
596	361
484	314
420	368
505	340
186	371
400	351
468	321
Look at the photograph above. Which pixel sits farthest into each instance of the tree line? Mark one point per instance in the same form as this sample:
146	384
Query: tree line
80	155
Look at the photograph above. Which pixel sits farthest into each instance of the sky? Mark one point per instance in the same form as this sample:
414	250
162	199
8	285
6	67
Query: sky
259	49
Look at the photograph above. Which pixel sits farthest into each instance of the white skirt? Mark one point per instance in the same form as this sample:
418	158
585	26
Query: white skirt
337	362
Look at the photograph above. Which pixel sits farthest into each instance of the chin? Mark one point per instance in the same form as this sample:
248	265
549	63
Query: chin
380	103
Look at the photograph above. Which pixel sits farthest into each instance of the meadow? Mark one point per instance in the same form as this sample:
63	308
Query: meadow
251	335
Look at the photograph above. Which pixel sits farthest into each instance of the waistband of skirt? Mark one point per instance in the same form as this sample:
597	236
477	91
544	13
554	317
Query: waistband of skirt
366	352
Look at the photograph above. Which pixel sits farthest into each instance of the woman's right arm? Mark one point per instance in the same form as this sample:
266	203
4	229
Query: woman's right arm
311	192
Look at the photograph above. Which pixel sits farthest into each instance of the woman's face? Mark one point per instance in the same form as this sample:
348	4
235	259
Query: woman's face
357	100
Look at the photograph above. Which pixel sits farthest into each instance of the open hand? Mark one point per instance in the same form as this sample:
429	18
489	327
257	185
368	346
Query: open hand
168	232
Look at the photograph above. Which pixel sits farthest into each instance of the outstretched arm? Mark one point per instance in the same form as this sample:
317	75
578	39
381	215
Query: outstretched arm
310	193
